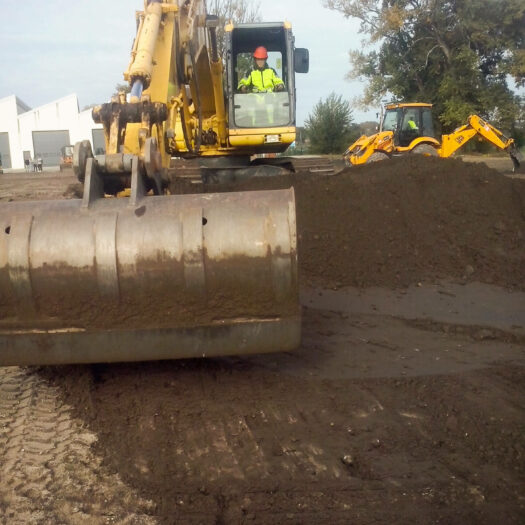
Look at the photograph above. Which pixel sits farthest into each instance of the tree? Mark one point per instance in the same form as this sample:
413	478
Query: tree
126	88
455	54
237	11
329	127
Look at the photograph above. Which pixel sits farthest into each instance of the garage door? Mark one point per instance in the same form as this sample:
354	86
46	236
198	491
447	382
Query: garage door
5	155
47	144
99	144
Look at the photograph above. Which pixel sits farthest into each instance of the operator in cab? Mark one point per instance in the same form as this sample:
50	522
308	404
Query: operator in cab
262	78
411	123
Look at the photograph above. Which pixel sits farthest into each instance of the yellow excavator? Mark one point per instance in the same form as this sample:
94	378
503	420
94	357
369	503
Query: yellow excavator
155	275
408	128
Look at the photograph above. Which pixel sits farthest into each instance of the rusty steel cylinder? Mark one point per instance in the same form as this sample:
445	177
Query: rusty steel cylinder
165	262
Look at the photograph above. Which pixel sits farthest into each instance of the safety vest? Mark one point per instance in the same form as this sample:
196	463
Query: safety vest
261	80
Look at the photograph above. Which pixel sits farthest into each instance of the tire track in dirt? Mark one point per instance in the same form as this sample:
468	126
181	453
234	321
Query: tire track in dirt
29	434
48	471
223	441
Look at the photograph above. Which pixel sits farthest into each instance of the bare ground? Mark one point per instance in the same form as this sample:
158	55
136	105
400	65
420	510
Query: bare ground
404	403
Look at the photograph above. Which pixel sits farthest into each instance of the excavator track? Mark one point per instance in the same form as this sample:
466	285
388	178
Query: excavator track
47	458
190	171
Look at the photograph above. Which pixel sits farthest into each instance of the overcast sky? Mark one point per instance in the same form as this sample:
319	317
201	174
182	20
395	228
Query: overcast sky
54	48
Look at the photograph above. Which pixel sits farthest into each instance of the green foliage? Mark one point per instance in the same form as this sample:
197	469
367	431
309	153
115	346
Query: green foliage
455	54
329	127
518	129
126	88
244	64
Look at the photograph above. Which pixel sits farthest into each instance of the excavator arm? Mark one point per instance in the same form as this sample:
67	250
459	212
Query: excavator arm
477	127
176	106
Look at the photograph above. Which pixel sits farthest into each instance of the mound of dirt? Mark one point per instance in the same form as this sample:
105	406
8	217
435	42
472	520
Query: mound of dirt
410	220
415	219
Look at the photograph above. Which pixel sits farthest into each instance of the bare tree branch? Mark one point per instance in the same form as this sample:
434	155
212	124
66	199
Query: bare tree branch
236	11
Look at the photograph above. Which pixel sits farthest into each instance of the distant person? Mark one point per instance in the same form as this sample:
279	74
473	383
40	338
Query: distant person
34	163
262	78
40	163
27	164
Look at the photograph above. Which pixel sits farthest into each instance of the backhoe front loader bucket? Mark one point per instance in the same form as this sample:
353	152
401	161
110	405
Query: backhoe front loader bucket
147	277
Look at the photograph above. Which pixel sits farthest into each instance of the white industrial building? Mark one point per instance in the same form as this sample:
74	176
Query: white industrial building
27	133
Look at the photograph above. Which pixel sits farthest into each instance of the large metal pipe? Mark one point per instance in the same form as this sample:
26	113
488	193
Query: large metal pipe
163	266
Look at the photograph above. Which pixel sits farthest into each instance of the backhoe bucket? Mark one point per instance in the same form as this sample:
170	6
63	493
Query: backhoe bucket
146	278
517	159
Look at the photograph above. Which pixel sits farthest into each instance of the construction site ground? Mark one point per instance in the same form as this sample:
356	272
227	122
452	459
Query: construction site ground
405	403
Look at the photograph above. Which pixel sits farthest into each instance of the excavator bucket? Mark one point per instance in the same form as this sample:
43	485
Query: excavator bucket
147	277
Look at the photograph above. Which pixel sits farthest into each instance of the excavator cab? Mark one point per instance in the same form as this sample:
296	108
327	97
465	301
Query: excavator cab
263	118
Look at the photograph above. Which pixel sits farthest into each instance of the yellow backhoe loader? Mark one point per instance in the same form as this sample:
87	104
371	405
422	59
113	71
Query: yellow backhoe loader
153	275
409	128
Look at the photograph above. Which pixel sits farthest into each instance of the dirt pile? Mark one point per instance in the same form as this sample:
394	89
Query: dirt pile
416	220
406	221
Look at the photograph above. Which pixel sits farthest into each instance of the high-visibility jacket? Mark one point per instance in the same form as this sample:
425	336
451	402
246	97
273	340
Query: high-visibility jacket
261	80
411	124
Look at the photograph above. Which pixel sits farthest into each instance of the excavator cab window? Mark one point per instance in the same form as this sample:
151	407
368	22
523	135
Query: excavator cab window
409	127
414	122
244	64
390	120
266	106
427	129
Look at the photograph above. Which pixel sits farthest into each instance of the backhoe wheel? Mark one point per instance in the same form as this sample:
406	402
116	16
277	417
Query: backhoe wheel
376	157
425	149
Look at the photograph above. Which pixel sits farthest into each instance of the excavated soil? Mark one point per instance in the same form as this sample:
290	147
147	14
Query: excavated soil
414	219
404	403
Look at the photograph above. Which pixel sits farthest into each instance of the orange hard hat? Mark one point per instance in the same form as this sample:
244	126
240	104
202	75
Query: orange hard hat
261	53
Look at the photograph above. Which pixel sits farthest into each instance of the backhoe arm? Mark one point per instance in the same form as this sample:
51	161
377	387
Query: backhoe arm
476	126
